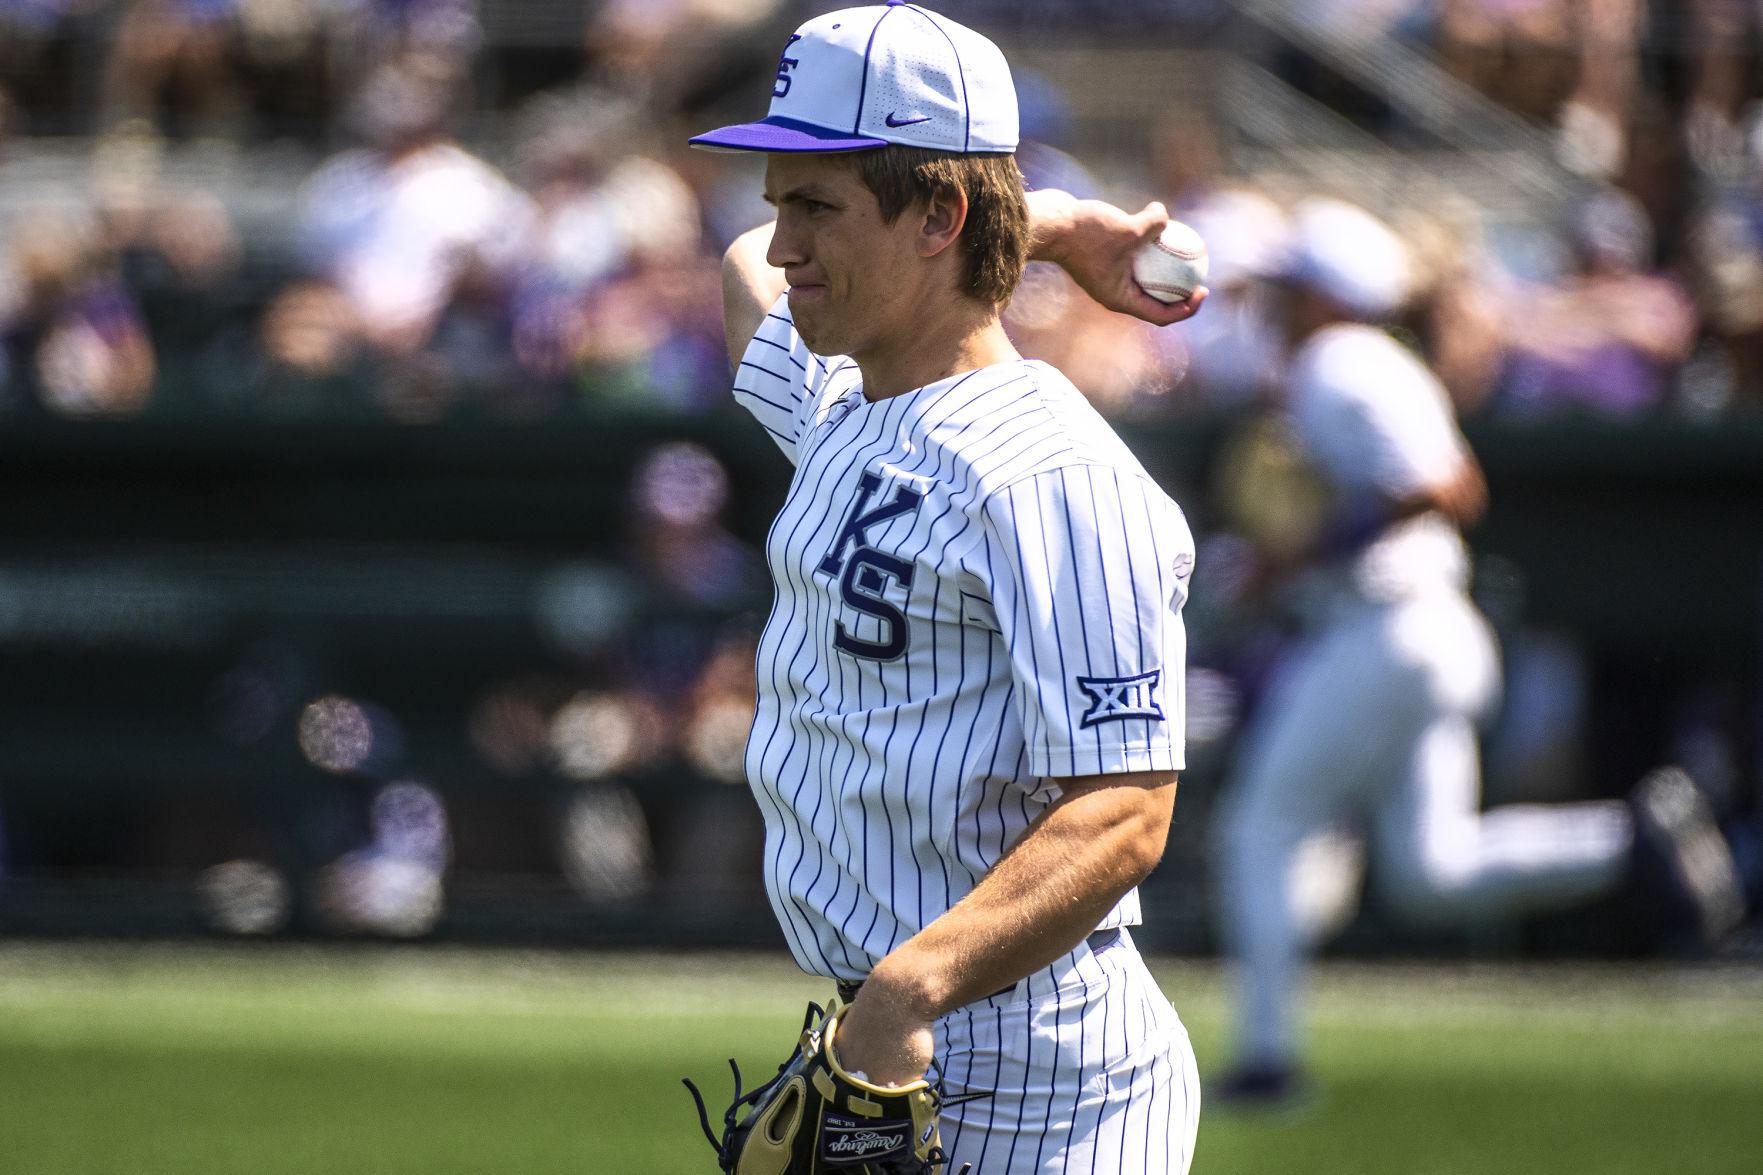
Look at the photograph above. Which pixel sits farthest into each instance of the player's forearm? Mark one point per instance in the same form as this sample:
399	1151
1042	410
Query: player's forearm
1358	521
749	287
1047	894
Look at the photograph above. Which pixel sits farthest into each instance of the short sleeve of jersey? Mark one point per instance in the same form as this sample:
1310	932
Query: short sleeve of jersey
1372	415
781	382
1088	569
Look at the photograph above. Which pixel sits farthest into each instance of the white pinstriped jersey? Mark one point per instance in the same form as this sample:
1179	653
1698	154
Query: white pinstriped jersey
1374	418
979	591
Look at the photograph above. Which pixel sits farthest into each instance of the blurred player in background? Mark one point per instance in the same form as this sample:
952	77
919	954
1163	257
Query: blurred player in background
970	687
1371	725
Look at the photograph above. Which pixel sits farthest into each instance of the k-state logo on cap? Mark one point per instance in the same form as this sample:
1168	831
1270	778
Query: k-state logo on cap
880	74
785	64
1116	699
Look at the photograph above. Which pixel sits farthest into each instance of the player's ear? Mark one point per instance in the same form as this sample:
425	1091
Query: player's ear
944	215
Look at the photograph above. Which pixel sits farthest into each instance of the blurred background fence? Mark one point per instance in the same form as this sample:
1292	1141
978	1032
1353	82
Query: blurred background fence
379	551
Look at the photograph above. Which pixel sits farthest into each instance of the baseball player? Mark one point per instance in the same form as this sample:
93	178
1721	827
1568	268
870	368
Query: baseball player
1372	722
970	709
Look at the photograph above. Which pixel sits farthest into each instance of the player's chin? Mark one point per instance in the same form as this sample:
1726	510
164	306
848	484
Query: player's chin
810	312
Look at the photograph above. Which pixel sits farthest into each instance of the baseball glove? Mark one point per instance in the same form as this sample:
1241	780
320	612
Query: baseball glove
815	1118
1268	491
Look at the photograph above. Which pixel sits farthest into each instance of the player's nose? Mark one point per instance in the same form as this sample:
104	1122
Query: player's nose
787	247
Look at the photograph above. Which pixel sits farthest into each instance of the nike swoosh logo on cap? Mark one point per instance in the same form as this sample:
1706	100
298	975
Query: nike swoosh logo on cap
896	122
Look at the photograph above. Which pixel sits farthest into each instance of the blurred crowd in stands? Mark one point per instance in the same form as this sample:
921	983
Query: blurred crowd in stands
517	235
619	759
441	210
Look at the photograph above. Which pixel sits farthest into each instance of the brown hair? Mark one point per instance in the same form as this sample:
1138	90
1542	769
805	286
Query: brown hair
994	241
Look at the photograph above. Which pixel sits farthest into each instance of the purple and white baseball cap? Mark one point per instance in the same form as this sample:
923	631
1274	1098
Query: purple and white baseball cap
862	78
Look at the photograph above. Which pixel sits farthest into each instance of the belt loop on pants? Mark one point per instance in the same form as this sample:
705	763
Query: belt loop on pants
1097	942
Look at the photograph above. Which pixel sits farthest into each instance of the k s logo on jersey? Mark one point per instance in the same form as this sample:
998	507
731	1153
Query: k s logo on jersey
1116	699
867	572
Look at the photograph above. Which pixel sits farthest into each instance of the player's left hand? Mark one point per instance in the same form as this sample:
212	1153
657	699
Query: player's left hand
818	1116
880	1039
1095	243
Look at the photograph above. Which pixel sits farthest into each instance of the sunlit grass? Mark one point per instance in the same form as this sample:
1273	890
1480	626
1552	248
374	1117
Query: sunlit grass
115	1061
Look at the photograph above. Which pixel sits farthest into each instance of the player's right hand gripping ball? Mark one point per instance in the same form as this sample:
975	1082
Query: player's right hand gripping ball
814	1118
1173	266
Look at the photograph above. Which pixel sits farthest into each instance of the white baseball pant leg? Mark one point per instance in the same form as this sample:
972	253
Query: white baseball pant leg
1090	1071
1376	719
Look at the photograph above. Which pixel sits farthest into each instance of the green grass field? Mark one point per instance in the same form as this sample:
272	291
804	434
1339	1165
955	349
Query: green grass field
289	1061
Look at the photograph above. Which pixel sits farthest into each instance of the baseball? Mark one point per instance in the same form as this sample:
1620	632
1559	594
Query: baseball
1170	267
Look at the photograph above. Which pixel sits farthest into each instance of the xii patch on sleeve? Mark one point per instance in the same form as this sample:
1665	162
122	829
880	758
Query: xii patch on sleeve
1116	699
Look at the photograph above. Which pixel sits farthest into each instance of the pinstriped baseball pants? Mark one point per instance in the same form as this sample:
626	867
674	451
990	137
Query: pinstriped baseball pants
1090	1071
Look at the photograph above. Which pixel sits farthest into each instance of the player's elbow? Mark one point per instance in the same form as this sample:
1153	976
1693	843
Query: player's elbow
1144	831
749	287
1144	849
1123	820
